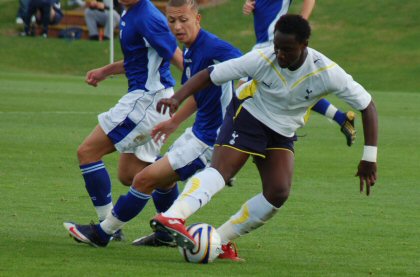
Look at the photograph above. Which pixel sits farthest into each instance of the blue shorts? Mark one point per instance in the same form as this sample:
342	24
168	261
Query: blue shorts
245	133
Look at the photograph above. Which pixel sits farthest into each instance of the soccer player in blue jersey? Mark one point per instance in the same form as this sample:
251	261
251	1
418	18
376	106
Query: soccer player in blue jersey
192	150
265	127
148	47
266	13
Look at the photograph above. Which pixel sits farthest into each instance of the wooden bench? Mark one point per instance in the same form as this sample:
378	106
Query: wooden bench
76	18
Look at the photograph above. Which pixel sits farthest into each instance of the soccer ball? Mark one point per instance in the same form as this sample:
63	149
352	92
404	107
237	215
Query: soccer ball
208	244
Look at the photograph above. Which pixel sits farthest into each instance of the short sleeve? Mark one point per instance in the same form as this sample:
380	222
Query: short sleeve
159	36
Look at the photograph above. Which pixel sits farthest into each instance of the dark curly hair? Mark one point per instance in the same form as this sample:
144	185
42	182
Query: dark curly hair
294	24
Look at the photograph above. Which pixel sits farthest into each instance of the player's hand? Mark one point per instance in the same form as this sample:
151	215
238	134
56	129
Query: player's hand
248	7
163	130
167	103
94	76
367	175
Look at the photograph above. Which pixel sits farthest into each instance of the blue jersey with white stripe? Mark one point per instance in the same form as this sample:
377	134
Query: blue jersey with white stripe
148	46
212	101
266	14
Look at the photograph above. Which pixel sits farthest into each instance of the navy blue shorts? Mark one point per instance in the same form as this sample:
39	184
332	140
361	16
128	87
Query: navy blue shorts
245	133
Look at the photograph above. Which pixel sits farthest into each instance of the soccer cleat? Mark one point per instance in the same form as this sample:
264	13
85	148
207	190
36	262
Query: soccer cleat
348	128
118	236
175	228
153	241
88	234
230	252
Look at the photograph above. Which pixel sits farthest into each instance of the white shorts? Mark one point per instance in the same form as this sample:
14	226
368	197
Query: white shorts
186	153
129	123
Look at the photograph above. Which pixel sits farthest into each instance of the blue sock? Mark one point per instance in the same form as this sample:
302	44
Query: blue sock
322	106
163	199
340	117
98	183
104	236
130	205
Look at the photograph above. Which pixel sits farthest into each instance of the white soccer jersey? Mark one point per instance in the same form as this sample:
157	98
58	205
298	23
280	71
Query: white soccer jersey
281	98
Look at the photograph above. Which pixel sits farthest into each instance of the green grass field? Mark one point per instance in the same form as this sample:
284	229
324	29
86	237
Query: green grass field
327	228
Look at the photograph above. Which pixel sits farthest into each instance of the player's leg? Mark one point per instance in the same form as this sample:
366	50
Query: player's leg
186	156
95	174
198	191
276	172
126	208
97	182
239	136
158	174
128	126
128	166
345	120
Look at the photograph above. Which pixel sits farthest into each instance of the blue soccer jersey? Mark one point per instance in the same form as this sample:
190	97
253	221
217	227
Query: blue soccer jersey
266	14
212	101
148	46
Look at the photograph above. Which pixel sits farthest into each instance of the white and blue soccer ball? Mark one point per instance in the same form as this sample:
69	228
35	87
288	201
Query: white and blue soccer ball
207	241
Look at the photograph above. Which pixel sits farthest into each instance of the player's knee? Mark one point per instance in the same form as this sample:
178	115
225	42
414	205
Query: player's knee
144	183
86	155
83	154
277	196
125	179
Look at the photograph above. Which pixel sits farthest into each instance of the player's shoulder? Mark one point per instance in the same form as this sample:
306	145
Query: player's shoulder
217	47
146	14
263	55
319	60
214	40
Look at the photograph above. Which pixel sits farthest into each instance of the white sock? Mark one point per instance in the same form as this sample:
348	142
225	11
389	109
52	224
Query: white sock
103	211
253	214
330	112
197	193
111	224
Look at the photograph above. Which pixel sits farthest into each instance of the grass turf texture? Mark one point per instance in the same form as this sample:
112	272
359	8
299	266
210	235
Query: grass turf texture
325	229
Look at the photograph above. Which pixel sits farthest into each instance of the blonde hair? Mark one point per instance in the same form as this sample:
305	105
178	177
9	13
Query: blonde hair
179	3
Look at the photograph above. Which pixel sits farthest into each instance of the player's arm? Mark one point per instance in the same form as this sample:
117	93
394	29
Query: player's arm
94	76
307	8
367	166
178	59
198	82
233	69
166	128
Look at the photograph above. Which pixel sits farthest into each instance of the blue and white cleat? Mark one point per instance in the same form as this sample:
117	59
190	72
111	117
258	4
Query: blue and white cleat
88	234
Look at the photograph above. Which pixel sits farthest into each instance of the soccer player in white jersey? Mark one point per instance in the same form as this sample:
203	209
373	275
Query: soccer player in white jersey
288	79
193	149
266	13
148	47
